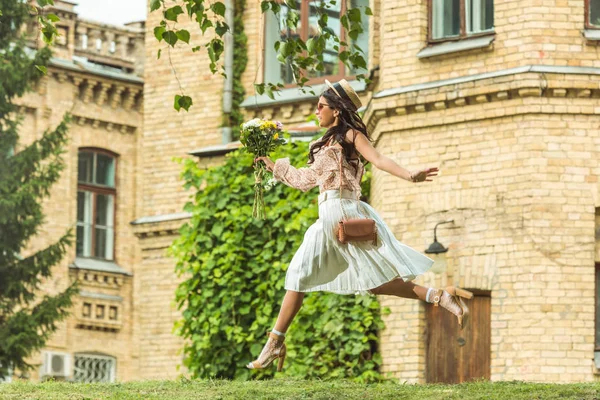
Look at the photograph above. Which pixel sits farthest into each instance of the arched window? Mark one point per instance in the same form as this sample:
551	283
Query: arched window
96	193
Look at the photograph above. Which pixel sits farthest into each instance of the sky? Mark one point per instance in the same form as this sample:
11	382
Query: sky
114	12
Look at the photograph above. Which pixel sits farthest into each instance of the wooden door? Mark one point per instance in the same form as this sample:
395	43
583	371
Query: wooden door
454	355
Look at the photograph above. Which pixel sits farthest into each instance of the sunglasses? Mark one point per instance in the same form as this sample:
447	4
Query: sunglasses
321	105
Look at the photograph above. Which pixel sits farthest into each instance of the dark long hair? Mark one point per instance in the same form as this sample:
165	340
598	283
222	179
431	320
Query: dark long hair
348	119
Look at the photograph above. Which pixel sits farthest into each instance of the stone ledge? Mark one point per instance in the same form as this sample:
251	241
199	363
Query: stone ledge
591	34
438	49
92	264
293	95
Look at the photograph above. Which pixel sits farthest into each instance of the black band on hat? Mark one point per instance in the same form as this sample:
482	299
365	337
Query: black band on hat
343	94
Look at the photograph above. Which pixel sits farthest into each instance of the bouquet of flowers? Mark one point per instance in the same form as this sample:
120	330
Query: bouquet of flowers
260	137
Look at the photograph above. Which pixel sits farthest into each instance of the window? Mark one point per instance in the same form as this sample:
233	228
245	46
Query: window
95	204
84	40
91	368
113	46
592	13
98	44
275	30
456	19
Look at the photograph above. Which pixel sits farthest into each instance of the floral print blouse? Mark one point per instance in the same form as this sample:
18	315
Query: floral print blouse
323	172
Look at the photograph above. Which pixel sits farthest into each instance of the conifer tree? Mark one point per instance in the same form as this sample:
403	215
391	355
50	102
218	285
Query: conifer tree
27	316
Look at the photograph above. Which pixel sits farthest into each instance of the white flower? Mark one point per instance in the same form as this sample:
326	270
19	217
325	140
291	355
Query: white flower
253	123
270	183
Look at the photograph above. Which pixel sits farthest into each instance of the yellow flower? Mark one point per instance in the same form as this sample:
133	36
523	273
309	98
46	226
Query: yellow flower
276	136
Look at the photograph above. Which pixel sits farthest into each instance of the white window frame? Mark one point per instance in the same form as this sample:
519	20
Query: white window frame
92	190
466	28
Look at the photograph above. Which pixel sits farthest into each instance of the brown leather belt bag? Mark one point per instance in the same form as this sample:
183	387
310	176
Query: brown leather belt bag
355	229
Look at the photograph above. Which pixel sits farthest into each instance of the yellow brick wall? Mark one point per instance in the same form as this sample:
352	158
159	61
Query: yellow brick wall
520	190
533	32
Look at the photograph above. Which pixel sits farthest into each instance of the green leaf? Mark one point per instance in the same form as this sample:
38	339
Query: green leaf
176	105
155	5
275	6
353	15
310	45
264	6
259	88
183	35
170	37
206	23
158	32
368	11
221	28
269	92
53	17
184	102
172	13
218	8
42	69
158	54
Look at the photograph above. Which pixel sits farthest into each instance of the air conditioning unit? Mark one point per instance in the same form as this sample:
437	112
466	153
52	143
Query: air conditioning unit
57	365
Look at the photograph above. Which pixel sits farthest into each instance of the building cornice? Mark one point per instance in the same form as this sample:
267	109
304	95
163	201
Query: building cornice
504	85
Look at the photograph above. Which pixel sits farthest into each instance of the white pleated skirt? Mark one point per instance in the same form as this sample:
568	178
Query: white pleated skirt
322	263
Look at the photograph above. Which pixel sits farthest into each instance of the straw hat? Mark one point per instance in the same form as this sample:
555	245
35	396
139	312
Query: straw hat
345	92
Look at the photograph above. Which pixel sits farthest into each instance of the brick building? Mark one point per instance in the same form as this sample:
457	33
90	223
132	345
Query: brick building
501	95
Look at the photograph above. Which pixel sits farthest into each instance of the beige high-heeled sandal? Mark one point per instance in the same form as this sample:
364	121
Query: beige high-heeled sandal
273	350
452	300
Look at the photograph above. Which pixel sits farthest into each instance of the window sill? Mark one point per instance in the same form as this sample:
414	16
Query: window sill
292	95
455	47
93	264
591	34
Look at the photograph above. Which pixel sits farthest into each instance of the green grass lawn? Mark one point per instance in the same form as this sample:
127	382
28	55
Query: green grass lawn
292	389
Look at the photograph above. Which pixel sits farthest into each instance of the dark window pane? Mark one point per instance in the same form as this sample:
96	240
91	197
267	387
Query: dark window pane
480	15
85	167
80	206
489	14
597	307
100	250
105	170
80	240
104	210
445	18
595	12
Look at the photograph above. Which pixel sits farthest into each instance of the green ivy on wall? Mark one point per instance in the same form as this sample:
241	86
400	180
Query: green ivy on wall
240	60
233	269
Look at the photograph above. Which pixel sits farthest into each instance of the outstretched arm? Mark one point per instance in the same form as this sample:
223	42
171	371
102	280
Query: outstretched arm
364	147
299	178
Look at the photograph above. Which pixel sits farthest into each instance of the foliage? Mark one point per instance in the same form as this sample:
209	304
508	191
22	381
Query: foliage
234	267
283	389
240	54
302	56
26	176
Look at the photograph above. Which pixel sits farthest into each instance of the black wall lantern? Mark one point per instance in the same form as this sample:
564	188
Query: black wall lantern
436	247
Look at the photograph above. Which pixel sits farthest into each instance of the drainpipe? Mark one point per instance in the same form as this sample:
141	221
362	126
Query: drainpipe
228	64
